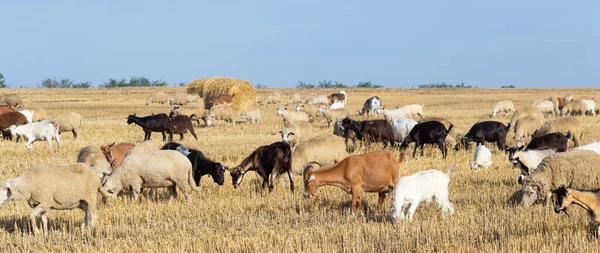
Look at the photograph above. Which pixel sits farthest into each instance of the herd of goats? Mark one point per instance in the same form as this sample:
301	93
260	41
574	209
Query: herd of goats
554	163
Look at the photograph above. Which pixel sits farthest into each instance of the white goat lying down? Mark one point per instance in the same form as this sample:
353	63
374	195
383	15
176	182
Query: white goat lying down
421	186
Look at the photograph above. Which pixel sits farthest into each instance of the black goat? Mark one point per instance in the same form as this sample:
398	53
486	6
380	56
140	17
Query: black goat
487	131
369	130
200	164
269	162
432	132
153	123
180	124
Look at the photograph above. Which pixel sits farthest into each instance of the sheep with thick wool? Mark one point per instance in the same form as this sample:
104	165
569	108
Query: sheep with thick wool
502	108
55	187
291	116
574	107
251	115
158	97
312	110
326	150
525	111
562	125
545	106
69	122
220	112
422	186
95	158
294	100
332	115
296	132
578	168
156	169
590	106
525	127
414	109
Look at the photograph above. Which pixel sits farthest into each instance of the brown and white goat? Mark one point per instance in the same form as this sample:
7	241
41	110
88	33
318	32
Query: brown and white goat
377	171
116	153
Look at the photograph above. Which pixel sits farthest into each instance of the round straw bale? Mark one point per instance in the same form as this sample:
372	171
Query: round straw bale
211	88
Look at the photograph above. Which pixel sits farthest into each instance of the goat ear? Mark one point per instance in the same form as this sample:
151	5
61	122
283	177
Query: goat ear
311	178
291	133
112	144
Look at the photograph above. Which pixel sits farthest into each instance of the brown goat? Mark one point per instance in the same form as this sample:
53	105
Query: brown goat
9	119
377	171
6	108
561	103
116	153
224	99
336	97
180	124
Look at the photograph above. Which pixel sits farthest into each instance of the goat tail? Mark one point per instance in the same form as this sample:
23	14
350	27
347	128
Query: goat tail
569	135
450	170
450	128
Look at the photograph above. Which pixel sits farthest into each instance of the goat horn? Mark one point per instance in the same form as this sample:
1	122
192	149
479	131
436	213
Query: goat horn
565	211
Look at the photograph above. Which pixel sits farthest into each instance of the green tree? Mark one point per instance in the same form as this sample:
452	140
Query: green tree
49	83
507	86
302	85
367	84
82	85
2	81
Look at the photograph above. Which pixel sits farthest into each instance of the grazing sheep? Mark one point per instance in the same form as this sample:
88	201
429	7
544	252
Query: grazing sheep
391	114
569	98
322	99
590	106
289	116
13	100
252	115
414	109
192	98
556	104
8	119
96	159
525	111
296	132
146	146
311	110
502	108
54	187
525	127
332	115
402	128
372	104
178	98
574	107
294	99
115	154
69	122
39	114
327	150
421	187
158	97
545	106
156	169
272	99
220	112
562	125
44	130
578	168
482	158
259	98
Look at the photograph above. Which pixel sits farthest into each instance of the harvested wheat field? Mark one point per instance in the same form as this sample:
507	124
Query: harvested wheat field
250	219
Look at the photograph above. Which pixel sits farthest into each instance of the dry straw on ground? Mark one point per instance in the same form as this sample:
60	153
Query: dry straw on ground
211	88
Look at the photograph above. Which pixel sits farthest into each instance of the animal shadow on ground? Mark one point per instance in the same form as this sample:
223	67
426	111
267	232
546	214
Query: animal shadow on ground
15	225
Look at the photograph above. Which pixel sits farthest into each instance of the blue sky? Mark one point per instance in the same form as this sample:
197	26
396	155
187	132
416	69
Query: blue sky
278	43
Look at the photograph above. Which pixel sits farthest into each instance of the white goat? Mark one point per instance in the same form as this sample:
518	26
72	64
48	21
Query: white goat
482	158
28	115
402	128
590	106
337	105
392	114
419	187
528	160
41	130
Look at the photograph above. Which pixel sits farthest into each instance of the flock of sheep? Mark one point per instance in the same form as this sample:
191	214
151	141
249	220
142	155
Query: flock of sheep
547	164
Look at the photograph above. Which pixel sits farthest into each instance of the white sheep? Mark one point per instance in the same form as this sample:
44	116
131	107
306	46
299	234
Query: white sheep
252	115
402	127
146	146
95	158
271	99
156	169
525	127
326	149
392	114
590	106
321	99
502	108
42	130
332	115
289	116
296	132
414	109
312	110
220	112
545	106
573	107
294	99
420	187
482	158
58	187
594	146
69	122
